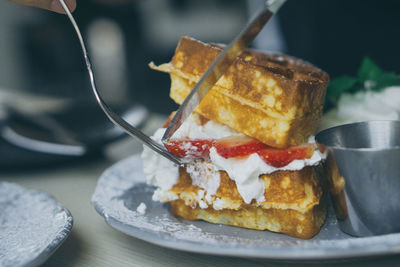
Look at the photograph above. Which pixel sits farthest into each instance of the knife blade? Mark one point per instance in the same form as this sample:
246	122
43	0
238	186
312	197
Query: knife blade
221	65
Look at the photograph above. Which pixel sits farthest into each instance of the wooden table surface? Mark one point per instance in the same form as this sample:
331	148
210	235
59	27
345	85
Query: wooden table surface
93	243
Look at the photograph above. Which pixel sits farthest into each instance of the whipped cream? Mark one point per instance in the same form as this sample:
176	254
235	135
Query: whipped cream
159	171
141	209
200	195
244	171
191	129
364	106
204	175
369	105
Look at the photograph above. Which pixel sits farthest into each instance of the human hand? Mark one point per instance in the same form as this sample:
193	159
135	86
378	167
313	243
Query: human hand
53	5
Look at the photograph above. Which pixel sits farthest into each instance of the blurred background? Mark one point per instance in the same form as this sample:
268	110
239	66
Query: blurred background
44	88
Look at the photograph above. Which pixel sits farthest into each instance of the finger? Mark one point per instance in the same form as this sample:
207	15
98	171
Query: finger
53	5
57	7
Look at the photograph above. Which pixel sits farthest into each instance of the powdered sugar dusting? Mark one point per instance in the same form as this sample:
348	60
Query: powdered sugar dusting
205	175
122	188
141	208
32	225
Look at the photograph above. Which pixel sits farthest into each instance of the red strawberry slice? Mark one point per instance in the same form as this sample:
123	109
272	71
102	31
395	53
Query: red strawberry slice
282	157
237	146
197	148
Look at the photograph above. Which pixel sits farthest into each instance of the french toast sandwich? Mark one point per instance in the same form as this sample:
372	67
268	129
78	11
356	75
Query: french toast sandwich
253	163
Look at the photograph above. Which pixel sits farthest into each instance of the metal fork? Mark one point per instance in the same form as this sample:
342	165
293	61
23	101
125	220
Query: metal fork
115	118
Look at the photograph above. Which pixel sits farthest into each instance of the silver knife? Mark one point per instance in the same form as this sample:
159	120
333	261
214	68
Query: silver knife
221	65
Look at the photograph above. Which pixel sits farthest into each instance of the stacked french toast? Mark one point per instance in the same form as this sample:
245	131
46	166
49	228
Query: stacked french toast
250	157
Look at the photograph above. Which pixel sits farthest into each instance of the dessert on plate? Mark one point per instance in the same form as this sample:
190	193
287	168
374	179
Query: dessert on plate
250	156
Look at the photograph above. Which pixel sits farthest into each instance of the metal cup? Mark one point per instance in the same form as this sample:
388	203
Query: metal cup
364	175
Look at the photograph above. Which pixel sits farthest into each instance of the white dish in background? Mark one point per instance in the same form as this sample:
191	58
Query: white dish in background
121	189
32	226
364	106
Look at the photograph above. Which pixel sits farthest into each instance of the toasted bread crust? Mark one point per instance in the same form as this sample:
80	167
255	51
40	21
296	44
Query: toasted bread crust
290	222
284	95
294	203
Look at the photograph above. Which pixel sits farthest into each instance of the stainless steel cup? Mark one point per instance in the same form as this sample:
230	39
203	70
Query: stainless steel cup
364	175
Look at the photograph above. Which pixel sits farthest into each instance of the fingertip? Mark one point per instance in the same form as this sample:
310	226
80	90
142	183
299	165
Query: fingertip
57	7
71	5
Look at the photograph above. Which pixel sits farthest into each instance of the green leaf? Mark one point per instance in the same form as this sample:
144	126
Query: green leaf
385	80
369	77
369	71
340	85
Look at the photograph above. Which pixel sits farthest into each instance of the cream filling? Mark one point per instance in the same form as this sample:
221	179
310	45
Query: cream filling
159	171
244	171
141	209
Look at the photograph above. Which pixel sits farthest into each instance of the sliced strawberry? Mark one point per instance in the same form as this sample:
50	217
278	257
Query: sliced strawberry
236	146
282	157
169	119
197	148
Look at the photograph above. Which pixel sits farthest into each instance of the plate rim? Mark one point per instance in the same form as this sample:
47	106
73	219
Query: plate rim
61	235
273	253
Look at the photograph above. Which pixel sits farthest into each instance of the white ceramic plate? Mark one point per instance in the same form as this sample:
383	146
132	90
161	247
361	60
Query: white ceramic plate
121	189
32	226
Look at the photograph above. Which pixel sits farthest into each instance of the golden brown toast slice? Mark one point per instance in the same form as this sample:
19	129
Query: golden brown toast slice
290	222
293	203
274	98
